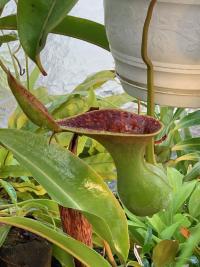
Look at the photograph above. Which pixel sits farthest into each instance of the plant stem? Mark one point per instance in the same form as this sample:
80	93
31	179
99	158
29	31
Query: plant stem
27	73
150	157
14	64
109	254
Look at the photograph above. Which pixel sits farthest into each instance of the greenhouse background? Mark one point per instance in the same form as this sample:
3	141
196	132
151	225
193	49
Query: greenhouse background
68	61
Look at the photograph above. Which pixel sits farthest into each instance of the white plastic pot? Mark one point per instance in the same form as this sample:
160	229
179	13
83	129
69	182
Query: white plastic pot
174	47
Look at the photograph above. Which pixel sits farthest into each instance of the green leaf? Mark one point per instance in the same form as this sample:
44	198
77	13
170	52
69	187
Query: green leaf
194	173
192	119
28	205
79	28
157	223
72	183
34	77
114	100
165	252
74	104
65	259
18	119
75	248
103	164
175	179
194	202
133	264
189	246
2	4
178	113
35	20
13	171
31	106
5	157
169	231
187	157
29	187
192	144
4	230
182	219
83	29
182	195
9	190
137	235
8	38
96	80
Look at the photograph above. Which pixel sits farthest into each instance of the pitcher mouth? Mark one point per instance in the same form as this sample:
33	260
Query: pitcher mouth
112	122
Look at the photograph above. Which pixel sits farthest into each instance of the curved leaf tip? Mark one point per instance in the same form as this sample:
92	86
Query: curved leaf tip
39	64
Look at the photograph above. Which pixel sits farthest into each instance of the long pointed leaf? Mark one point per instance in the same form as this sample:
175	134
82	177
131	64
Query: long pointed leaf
79	28
35	21
77	249
192	119
72	183
192	144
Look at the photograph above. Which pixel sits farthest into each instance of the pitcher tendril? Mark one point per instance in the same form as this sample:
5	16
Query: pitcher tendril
150	76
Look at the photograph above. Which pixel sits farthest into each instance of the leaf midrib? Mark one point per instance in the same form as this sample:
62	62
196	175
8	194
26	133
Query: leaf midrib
45	23
45	175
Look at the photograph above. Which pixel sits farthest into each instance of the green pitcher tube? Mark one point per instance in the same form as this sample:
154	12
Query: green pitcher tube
143	188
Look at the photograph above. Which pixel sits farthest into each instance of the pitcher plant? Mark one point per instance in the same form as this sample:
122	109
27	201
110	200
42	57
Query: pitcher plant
142	187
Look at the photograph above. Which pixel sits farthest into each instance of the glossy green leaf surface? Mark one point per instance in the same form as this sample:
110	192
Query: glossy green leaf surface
72	183
35	19
165	252
79	28
83	29
68	244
